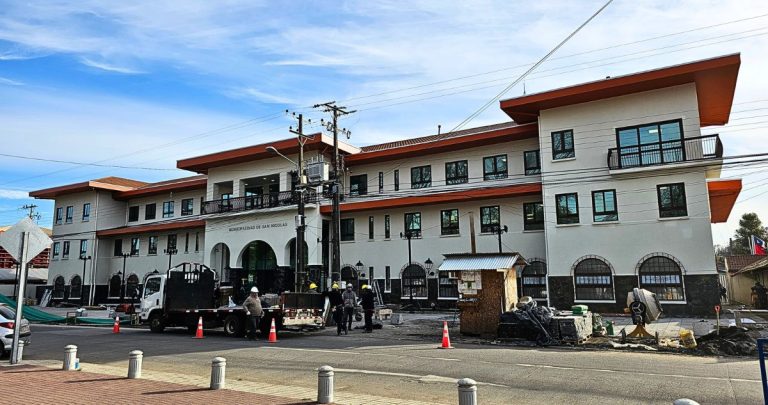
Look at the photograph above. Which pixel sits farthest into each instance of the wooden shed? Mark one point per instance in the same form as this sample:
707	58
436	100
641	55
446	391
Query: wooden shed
487	288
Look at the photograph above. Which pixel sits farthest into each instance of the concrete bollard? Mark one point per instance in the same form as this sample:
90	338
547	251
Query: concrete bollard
467	391
134	363
325	385
70	353
685	401
218	370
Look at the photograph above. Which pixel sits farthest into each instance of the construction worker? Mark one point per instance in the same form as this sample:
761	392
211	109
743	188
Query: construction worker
253	310
350	302
313	288
368	307
337	306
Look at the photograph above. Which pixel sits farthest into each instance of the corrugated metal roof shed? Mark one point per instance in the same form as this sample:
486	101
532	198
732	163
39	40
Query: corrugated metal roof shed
480	261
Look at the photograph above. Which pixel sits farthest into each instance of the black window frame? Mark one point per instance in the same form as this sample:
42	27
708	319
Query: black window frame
347	229
117	248
172	237
358	184
387	227
86	212
397	179
651	153
592	279
152	245
665	280
56	249
449	225
197	241
168	208
381	182
59	215
70	214
604	215
371	221
65	250
674	211
150	211
135	246
415	231
186	242
563	152
83	248
567	218
531	220
531	170
492	226
419	173
452	172
133	213
187	206
496	173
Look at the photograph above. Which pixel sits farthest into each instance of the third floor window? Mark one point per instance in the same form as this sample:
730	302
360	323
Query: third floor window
133	214
186	206
562	145
70	214
532	162
59	215
168	209
456	172
421	177
150	211
495	167
358	185
86	212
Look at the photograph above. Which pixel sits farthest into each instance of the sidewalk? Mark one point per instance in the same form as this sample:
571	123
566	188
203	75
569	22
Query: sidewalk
29	384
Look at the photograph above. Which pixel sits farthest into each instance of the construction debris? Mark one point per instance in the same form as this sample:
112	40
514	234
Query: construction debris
732	341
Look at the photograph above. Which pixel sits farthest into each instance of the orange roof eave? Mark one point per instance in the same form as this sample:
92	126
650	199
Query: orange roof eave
715	81
54	192
722	197
448	197
185	185
167	226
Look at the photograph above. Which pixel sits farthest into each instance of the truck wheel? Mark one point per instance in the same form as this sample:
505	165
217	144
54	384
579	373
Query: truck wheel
156	323
233	326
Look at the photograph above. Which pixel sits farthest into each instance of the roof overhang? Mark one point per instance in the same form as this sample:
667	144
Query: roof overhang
722	197
514	190
201	164
481	261
54	192
446	145
165	226
715	81
195	183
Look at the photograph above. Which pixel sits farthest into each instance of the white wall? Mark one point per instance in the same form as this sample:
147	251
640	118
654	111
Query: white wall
159	199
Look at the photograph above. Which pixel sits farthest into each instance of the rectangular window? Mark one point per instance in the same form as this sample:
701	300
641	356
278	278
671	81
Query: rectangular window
532	161
413	223
186	242
171	242
70	214
86	212
672	200
533	219
490	219
347	229
421	177
387	227
117	249
370	228
168	209
387	279
197	241
358	185
83	247
152	245
449	222
650	144
56	249
381	182
456	172
562	145
495	167
567	208
65	250
59	215
187	205
150	211
135	246
133	214
397	180
604	206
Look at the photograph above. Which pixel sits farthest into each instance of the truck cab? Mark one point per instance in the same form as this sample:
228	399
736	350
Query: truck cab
152	299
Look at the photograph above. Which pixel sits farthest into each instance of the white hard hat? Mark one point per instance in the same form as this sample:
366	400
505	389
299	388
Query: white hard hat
254	290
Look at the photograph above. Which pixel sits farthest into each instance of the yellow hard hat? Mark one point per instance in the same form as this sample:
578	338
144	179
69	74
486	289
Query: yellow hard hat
312	286
335	286
364	286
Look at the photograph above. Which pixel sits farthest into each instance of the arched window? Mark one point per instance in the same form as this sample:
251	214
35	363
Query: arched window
132	286
662	275
593	280
534	280
114	286
58	287
75	287
414	280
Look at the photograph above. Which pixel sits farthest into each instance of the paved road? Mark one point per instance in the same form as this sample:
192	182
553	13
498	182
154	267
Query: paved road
378	364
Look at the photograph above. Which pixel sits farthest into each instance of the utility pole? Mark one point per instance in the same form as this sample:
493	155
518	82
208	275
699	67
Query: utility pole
300	191
32	214
336	112
500	229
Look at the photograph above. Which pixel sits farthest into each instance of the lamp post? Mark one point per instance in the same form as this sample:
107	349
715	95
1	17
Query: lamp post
359	267
84	258
122	279
170	252
409	234
498	230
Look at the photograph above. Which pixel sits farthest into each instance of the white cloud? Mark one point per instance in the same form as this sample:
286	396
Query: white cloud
109	67
10	82
14	194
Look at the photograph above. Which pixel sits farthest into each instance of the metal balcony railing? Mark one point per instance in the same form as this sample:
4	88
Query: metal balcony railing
665	152
256	202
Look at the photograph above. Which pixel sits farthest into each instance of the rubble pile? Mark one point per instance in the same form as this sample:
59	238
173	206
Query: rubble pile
732	341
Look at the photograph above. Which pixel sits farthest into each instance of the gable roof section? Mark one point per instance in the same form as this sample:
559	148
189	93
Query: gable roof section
715	81
106	183
176	185
735	263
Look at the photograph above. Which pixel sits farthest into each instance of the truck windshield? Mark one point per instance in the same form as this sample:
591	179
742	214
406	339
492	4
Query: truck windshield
152	286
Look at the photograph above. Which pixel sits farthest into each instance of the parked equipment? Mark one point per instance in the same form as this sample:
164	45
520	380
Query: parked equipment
644	308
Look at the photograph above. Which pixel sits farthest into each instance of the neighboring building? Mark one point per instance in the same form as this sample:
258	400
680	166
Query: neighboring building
743	272
38	270
602	187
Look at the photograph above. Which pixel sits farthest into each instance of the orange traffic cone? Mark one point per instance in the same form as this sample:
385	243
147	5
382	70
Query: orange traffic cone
446	339
272	332
199	333
116	327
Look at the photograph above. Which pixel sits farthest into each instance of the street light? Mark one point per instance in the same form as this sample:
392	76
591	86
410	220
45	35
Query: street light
359	267
277	152
170	252
409	234
122	280
499	229
84	258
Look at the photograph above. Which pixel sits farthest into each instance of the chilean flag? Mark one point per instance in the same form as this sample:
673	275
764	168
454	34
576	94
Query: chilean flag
758	246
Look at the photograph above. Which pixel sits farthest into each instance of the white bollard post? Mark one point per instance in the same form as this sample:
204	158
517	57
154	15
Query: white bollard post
467	391
325	385
134	363
685	401
70	352
218	369
21	350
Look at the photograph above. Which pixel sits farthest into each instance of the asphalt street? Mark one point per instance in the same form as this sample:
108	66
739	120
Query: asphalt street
378	364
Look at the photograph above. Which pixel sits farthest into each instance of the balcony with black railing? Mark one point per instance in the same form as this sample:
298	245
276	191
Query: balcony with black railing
665	152
257	202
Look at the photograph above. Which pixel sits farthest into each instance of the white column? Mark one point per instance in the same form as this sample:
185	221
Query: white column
325	385
218	368
134	363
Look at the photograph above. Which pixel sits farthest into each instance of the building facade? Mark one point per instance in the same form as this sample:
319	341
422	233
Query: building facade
602	187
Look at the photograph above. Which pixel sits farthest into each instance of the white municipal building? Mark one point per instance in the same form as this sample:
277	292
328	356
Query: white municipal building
602	187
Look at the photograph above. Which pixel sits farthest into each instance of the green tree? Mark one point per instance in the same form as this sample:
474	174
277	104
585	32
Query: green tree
749	225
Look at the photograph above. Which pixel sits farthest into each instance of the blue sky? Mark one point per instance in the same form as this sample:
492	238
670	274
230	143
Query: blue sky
145	83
